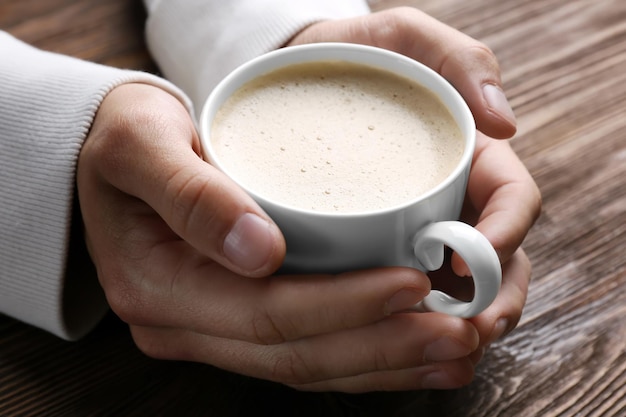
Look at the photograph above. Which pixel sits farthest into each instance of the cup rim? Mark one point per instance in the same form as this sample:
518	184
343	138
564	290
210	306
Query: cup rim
349	52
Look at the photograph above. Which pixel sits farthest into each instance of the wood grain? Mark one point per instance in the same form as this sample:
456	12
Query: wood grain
564	70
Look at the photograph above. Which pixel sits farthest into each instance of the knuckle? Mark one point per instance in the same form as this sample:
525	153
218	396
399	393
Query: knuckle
147	344
126	300
156	345
266	330
191	204
482	52
385	26
289	367
475	57
381	361
478	55
119	135
186	191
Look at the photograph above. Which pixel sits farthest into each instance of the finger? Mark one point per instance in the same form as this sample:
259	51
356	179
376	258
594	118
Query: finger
467	63
505	312
153	155
441	375
504	194
211	300
399	342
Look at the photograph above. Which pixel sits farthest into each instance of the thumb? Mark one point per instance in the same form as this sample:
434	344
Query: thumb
147	147
214	215
466	63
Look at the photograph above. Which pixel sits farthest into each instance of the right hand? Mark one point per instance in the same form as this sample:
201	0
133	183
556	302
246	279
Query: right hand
185	257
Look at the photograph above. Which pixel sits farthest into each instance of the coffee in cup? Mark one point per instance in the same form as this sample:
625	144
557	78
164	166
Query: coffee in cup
335	136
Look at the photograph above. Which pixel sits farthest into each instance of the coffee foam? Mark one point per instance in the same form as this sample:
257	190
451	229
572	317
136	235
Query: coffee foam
336	137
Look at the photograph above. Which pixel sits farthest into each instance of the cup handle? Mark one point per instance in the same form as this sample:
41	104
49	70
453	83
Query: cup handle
478	254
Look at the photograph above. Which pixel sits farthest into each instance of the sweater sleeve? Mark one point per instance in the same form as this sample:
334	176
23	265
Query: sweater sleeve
198	42
47	104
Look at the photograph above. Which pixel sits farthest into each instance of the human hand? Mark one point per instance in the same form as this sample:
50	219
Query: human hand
502	200
184	257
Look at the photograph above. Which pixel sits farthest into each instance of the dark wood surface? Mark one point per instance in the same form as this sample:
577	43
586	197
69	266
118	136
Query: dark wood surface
564	68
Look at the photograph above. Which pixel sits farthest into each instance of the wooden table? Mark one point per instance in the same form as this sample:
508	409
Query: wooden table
564	68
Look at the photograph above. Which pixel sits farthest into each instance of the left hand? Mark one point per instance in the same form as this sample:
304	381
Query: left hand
502	200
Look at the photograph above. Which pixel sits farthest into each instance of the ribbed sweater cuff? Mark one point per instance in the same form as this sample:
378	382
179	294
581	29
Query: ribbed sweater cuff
198	42
47	104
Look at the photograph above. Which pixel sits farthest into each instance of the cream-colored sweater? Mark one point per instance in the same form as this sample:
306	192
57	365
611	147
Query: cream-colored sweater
47	104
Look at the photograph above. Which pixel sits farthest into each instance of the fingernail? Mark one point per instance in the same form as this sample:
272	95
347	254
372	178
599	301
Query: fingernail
250	242
497	101
402	300
498	330
436	380
477	355
445	348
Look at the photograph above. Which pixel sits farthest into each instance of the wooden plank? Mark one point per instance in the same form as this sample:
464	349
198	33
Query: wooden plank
563	64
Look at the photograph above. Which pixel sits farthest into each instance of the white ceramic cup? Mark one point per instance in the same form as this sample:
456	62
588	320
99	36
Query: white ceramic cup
412	234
